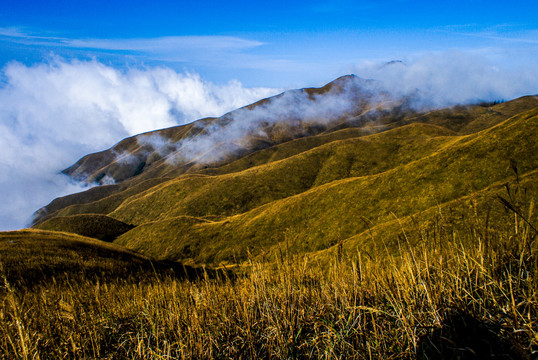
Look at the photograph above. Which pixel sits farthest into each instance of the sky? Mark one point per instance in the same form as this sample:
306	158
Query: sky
78	76
284	44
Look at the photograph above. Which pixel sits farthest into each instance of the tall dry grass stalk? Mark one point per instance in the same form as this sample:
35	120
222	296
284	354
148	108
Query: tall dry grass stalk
465	295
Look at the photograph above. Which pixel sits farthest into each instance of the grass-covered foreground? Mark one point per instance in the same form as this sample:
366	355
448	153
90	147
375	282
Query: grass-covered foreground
465	297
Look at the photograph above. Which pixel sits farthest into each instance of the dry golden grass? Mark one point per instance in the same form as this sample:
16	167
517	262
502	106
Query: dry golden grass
320	217
455	296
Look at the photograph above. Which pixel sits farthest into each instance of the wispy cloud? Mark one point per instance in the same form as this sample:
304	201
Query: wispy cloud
19	35
165	47
507	33
166	43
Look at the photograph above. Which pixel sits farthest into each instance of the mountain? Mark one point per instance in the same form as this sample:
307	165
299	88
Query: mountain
339	220
281	118
346	166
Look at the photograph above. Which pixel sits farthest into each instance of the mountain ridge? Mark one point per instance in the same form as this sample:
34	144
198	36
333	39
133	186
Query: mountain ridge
299	191
148	175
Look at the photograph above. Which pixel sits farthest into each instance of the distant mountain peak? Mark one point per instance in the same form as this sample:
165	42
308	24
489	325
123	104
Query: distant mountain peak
394	62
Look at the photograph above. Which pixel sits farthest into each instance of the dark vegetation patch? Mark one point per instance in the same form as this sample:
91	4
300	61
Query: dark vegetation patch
95	226
464	336
29	258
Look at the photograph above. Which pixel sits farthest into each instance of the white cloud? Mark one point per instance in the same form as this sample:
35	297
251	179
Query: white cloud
165	43
200	49
53	113
454	77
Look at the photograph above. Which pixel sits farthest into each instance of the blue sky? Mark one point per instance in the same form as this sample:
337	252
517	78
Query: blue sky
78	76
278	44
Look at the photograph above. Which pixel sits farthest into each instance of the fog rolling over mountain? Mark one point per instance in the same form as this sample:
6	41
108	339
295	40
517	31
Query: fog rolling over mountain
303	167
52	113
43	108
347	101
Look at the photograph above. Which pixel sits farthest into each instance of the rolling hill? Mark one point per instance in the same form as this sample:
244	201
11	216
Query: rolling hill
34	257
298	171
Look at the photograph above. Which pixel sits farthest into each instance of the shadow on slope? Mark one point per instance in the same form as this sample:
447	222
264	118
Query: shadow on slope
463	336
32	257
94	226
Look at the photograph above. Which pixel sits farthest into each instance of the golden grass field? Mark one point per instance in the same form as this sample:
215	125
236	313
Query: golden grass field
462	293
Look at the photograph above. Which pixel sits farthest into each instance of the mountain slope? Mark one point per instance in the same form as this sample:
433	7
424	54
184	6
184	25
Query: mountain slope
48	254
463	118
237	192
292	114
31	257
348	101
91	225
304	178
326	214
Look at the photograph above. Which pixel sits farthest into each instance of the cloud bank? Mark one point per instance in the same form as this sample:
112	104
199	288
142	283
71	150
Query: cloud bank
454	77
53	113
430	81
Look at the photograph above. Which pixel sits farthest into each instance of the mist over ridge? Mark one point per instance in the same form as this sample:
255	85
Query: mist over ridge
54	113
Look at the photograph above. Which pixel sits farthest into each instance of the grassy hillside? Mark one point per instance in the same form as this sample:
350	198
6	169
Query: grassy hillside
141	162
237	192
104	199
98	203
471	119
123	160
327	214
314	193
443	298
481	216
31	258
